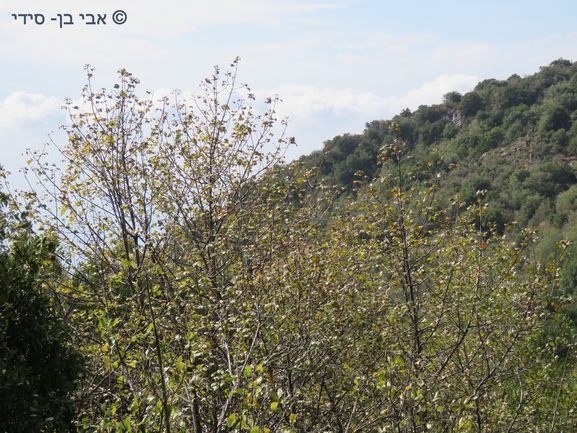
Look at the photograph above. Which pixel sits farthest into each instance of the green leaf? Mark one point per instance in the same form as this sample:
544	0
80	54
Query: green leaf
247	372
231	420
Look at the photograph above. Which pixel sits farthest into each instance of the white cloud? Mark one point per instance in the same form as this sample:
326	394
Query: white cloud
432	91
22	107
304	102
163	21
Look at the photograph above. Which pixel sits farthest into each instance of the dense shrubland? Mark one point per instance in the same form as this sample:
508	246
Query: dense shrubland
516	139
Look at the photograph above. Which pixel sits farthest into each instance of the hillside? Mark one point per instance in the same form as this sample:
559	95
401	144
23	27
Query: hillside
514	138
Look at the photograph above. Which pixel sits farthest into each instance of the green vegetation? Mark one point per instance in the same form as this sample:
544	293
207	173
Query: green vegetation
38	365
392	282
516	139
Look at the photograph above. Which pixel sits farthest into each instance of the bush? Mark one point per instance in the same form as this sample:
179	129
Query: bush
38	366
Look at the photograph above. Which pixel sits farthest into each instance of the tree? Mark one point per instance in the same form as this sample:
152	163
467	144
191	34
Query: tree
38	366
173	218
452	97
471	103
555	118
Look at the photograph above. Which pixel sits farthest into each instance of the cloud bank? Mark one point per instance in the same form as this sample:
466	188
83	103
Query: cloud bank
304	102
21	107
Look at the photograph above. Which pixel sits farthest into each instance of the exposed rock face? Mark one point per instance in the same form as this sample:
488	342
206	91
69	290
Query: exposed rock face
458	118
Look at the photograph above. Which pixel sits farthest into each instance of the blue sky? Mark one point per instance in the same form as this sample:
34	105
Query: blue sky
335	64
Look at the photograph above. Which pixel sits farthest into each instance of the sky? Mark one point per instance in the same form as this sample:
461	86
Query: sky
335	64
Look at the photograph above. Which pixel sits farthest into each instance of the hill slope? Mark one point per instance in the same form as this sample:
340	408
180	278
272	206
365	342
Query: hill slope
514	138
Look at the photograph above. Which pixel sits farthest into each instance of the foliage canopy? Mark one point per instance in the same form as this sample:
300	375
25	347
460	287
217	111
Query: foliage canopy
38	365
